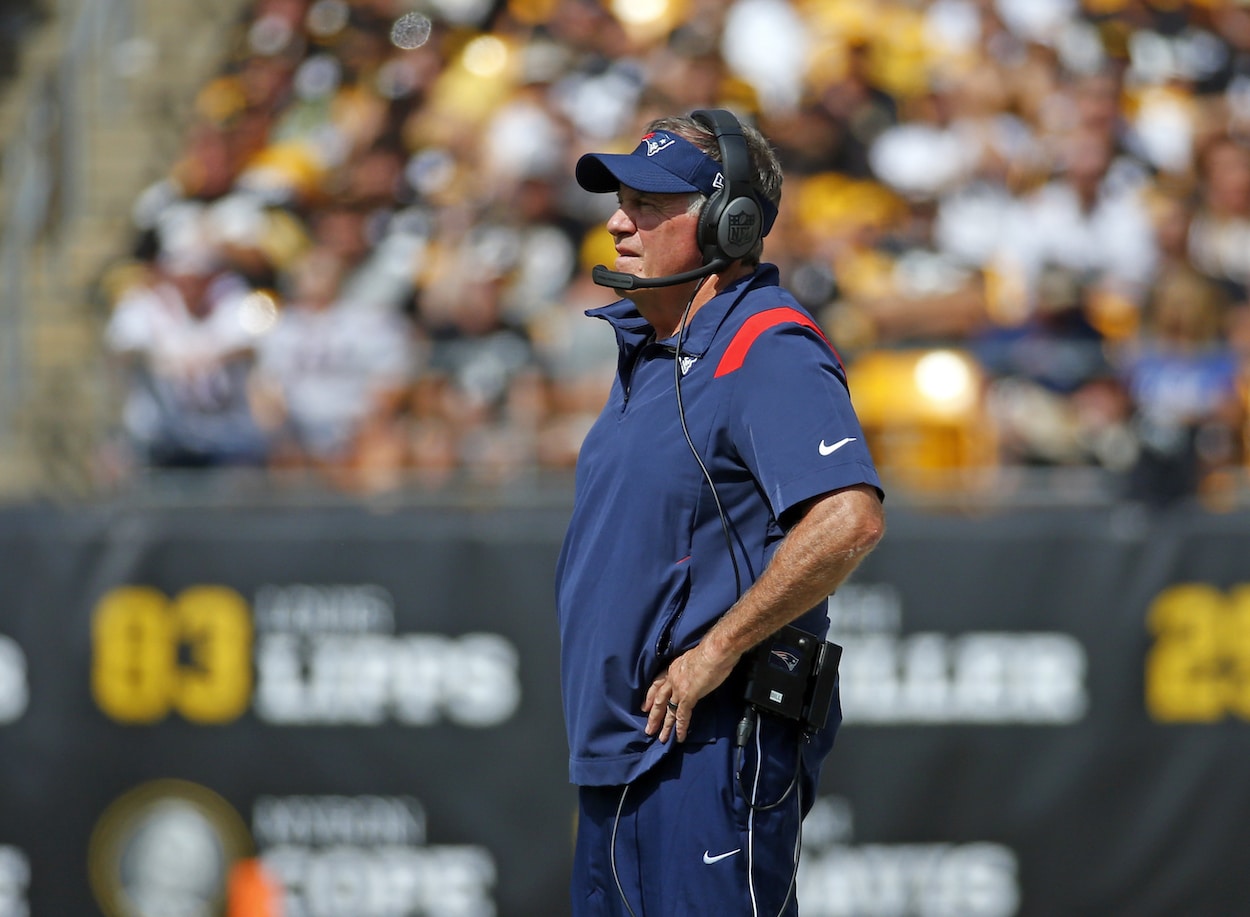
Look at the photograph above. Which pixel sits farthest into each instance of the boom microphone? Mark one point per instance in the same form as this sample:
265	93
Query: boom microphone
619	280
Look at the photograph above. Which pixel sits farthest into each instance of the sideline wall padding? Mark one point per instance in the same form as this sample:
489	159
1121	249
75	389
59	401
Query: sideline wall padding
1046	713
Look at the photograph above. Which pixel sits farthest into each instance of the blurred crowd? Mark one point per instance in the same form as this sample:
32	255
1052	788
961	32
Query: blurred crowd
370	261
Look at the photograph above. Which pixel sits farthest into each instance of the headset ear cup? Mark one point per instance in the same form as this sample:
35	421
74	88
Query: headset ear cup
738	227
729	229
732	221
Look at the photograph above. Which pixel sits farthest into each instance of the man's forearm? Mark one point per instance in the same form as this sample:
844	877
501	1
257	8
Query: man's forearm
816	556
834	534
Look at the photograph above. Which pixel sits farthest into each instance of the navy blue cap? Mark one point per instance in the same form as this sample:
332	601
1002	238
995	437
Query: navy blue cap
662	163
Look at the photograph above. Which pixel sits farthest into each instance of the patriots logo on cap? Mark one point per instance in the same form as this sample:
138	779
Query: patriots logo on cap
657	142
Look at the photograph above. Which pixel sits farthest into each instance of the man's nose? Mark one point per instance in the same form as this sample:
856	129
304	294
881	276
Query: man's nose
619	223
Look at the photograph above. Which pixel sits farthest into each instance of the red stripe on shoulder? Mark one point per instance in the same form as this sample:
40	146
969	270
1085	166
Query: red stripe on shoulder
756	325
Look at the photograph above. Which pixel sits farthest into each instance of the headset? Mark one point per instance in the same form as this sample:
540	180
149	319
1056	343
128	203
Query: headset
731	222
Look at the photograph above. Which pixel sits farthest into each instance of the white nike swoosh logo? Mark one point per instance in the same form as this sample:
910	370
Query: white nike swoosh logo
829	450
709	859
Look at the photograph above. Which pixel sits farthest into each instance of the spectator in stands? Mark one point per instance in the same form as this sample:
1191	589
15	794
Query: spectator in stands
329	368
1053	394
1090	218
839	120
187	337
1185	380
482	354
1219	236
430	430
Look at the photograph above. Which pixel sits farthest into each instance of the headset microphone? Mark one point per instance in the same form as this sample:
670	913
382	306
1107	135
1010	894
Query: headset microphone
619	280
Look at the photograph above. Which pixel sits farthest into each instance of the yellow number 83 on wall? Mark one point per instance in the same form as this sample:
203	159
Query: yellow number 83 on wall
192	654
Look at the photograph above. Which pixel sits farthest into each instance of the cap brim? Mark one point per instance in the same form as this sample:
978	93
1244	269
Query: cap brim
604	172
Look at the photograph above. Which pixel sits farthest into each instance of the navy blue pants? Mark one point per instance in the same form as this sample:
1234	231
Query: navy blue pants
683	839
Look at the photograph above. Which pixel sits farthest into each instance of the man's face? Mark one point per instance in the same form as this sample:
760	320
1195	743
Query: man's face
654	233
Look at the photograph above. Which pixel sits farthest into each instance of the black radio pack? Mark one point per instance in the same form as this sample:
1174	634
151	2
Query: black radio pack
792	675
